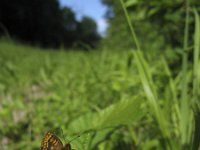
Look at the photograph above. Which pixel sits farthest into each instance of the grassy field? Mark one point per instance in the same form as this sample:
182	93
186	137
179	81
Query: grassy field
102	99
42	90
111	99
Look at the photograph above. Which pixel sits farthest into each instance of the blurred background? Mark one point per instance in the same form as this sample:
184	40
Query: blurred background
71	24
109	71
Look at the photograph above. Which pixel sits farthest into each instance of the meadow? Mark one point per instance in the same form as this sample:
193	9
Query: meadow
107	99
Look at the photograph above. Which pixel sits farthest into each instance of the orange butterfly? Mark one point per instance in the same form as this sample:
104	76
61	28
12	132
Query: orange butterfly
52	142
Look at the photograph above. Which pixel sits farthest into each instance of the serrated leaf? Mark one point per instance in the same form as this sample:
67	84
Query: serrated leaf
122	113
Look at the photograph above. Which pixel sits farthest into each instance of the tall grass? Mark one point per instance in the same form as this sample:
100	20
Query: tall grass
178	121
113	100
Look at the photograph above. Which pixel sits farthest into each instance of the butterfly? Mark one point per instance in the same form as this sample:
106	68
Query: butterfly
52	142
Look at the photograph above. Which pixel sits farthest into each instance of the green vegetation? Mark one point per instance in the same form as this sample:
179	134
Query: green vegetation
98	95
159	24
113	99
79	92
46	24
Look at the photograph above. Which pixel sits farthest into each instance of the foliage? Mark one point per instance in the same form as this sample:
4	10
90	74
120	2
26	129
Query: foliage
44	23
118	29
186	116
98	95
108	99
158	24
87	30
44	90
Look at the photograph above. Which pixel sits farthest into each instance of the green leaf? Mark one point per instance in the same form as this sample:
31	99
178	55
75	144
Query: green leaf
124	112
131	3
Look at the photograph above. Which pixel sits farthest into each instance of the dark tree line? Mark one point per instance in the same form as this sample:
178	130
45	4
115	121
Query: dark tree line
45	23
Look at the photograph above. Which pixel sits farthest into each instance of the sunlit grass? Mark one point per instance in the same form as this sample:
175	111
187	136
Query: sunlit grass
128	99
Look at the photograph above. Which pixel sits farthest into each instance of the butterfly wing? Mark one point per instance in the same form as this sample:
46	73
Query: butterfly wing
51	142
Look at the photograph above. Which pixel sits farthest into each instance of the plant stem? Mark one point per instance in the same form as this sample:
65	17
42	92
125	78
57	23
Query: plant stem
135	39
184	91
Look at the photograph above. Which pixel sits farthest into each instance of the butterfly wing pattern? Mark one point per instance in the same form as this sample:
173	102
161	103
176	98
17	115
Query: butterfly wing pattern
52	142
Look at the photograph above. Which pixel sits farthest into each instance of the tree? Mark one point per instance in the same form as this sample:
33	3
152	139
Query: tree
69	24
46	24
87	32
157	21
118	35
34	21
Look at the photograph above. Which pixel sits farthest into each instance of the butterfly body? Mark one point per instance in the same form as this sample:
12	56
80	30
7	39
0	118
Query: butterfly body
52	142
